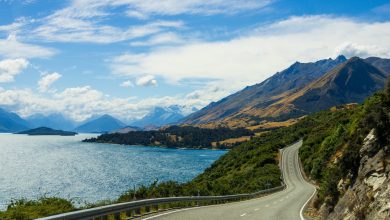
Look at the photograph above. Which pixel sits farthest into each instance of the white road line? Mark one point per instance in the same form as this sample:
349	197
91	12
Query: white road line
304	205
168	213
243	215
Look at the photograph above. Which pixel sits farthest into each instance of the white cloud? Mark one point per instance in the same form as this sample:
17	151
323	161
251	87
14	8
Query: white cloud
62	28
80	103
9	68
15	26
147	80
12	48
352	49
258	54
205	7
127	83
168	38
83	21
47	80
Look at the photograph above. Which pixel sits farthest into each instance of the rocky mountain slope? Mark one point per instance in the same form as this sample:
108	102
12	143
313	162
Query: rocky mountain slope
369	197
261	95
301	89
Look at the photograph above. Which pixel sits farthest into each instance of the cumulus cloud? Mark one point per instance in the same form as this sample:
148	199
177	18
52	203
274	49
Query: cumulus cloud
9	68
256	55
147	80
352	49
127	83
12	48
47	80
80	103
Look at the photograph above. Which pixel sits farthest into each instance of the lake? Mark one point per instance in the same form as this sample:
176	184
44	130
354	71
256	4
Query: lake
34	166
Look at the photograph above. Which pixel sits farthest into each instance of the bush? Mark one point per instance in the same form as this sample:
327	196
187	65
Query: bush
31	209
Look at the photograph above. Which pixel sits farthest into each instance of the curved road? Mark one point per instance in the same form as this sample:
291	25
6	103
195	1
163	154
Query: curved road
287	204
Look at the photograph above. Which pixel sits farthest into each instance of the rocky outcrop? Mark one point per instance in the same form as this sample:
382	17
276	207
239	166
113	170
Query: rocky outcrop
369	196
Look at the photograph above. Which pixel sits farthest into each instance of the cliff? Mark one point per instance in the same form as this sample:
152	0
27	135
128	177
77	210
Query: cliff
367	197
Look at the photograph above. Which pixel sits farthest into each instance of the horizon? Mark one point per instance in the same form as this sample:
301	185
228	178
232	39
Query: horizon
124	58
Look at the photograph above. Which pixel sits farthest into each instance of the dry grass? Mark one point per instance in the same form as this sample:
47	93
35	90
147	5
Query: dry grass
273	124
232	141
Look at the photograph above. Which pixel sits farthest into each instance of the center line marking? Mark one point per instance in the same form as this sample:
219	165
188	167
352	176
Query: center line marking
243	215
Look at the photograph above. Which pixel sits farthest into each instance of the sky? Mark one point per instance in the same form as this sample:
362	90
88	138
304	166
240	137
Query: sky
85	58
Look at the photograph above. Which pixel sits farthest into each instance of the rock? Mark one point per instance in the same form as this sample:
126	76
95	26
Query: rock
369	196
375	180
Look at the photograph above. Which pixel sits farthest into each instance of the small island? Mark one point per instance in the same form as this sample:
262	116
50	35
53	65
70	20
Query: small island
47	131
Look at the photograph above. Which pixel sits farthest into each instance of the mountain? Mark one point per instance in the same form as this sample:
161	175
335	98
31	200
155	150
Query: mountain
11	122
269	91
160	116
55	121
47	131
300	89
103	124
350	82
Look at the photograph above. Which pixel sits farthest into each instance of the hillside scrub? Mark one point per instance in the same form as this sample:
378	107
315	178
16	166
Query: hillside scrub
331	152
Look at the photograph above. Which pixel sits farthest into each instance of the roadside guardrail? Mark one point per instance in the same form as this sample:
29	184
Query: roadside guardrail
134	209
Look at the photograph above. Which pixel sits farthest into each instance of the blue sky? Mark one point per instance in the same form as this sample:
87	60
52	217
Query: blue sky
123	57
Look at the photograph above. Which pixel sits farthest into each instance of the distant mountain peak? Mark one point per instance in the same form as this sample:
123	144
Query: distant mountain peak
341	58
164	115
102	124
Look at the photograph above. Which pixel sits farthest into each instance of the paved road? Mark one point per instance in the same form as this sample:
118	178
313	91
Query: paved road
284	205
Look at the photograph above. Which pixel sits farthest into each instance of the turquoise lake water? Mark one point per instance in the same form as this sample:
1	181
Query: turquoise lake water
34	166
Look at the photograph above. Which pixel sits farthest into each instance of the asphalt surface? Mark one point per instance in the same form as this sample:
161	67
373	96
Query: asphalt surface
284	205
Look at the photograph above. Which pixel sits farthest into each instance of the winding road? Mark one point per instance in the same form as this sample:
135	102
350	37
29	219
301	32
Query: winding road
285	205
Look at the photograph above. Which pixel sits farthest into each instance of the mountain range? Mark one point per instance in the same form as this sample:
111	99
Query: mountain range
301	89
160	116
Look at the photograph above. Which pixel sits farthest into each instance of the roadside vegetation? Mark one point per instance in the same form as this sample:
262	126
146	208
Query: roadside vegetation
330	151
30	209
